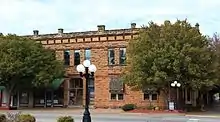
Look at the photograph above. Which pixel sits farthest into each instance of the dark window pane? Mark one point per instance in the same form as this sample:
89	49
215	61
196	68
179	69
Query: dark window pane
122	54
87	54
91	82
39	97
58	96
146	96
76	83
76	57
111	56
188	95
24	98
154	96
67	57
92	95
120	96
113	96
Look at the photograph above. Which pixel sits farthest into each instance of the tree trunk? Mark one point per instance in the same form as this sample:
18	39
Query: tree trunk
9	100
166	97
9	95
202	104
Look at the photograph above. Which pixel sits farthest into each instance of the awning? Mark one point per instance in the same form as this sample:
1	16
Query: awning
56	83
116	85
149	90
2	87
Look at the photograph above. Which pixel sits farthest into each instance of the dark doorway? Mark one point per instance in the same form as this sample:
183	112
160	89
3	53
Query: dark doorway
76	92
49	100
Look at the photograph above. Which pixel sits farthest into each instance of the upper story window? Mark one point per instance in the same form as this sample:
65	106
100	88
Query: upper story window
67	57
122	56
76	57
87	54
111	56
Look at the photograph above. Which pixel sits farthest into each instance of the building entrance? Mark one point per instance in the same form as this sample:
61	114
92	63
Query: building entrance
76	92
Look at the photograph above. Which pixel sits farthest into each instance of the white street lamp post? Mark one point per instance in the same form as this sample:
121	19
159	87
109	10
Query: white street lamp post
84	70
177	85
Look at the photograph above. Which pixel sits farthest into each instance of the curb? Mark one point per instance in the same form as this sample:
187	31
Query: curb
204	116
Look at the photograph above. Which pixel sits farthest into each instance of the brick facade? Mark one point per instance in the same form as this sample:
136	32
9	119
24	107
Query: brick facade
98	41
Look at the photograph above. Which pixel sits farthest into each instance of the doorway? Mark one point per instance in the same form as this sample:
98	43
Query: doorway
76	92
49	100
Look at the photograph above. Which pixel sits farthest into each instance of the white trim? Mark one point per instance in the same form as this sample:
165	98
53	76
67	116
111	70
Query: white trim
150	97
116	97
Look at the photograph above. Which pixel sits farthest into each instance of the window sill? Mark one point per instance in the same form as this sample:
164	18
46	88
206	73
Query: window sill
116	100
149	100
112	65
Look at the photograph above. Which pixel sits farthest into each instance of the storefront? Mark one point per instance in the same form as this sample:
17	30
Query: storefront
53	96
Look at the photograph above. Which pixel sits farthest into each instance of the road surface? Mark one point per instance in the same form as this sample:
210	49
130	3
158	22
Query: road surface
48	116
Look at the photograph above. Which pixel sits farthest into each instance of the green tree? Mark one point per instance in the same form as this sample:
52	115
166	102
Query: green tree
167	52
26	64
215	46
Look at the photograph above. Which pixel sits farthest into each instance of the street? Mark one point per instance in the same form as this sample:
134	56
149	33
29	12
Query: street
129	118
47	116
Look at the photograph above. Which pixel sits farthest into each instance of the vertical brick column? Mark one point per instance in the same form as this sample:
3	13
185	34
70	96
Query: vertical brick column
59	55
82	58
71	57
82	55
31	99
66	92
116	56
84	91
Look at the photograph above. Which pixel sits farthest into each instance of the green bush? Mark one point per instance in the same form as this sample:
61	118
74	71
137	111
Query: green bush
3	118
65	119
128	107
150	107
26	118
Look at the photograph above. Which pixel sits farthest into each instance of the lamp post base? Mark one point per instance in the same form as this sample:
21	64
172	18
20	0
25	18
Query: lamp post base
86	116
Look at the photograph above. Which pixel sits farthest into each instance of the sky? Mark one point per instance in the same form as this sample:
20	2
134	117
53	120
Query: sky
21	17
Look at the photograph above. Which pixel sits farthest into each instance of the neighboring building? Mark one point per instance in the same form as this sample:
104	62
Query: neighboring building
104	48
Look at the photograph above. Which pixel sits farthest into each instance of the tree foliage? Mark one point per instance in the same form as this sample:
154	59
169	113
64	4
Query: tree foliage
167	52
26	64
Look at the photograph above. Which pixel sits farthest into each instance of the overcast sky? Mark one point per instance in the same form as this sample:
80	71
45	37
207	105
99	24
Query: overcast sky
23	16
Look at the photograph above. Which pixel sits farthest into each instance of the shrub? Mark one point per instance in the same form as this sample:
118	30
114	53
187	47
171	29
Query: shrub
128	107
26	118
3	118
150	107
65	119
13	117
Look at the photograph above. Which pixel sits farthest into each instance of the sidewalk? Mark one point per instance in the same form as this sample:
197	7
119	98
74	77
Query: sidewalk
79	111
66	110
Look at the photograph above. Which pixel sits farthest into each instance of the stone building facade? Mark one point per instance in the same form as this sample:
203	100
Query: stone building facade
107	50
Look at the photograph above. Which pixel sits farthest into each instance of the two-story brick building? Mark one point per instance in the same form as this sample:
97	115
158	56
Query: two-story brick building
104	48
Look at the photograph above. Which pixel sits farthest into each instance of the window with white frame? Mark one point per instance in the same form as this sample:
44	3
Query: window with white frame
116	88
87	54
118	96
150	97
122	56
111	56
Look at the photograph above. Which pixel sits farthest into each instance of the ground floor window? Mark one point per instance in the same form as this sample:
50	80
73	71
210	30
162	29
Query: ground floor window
39	97
58	96
150	96
23	97
75	97
117	96
91	86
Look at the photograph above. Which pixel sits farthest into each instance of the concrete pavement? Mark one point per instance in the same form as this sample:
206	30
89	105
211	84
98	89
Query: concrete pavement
52	117
114	115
